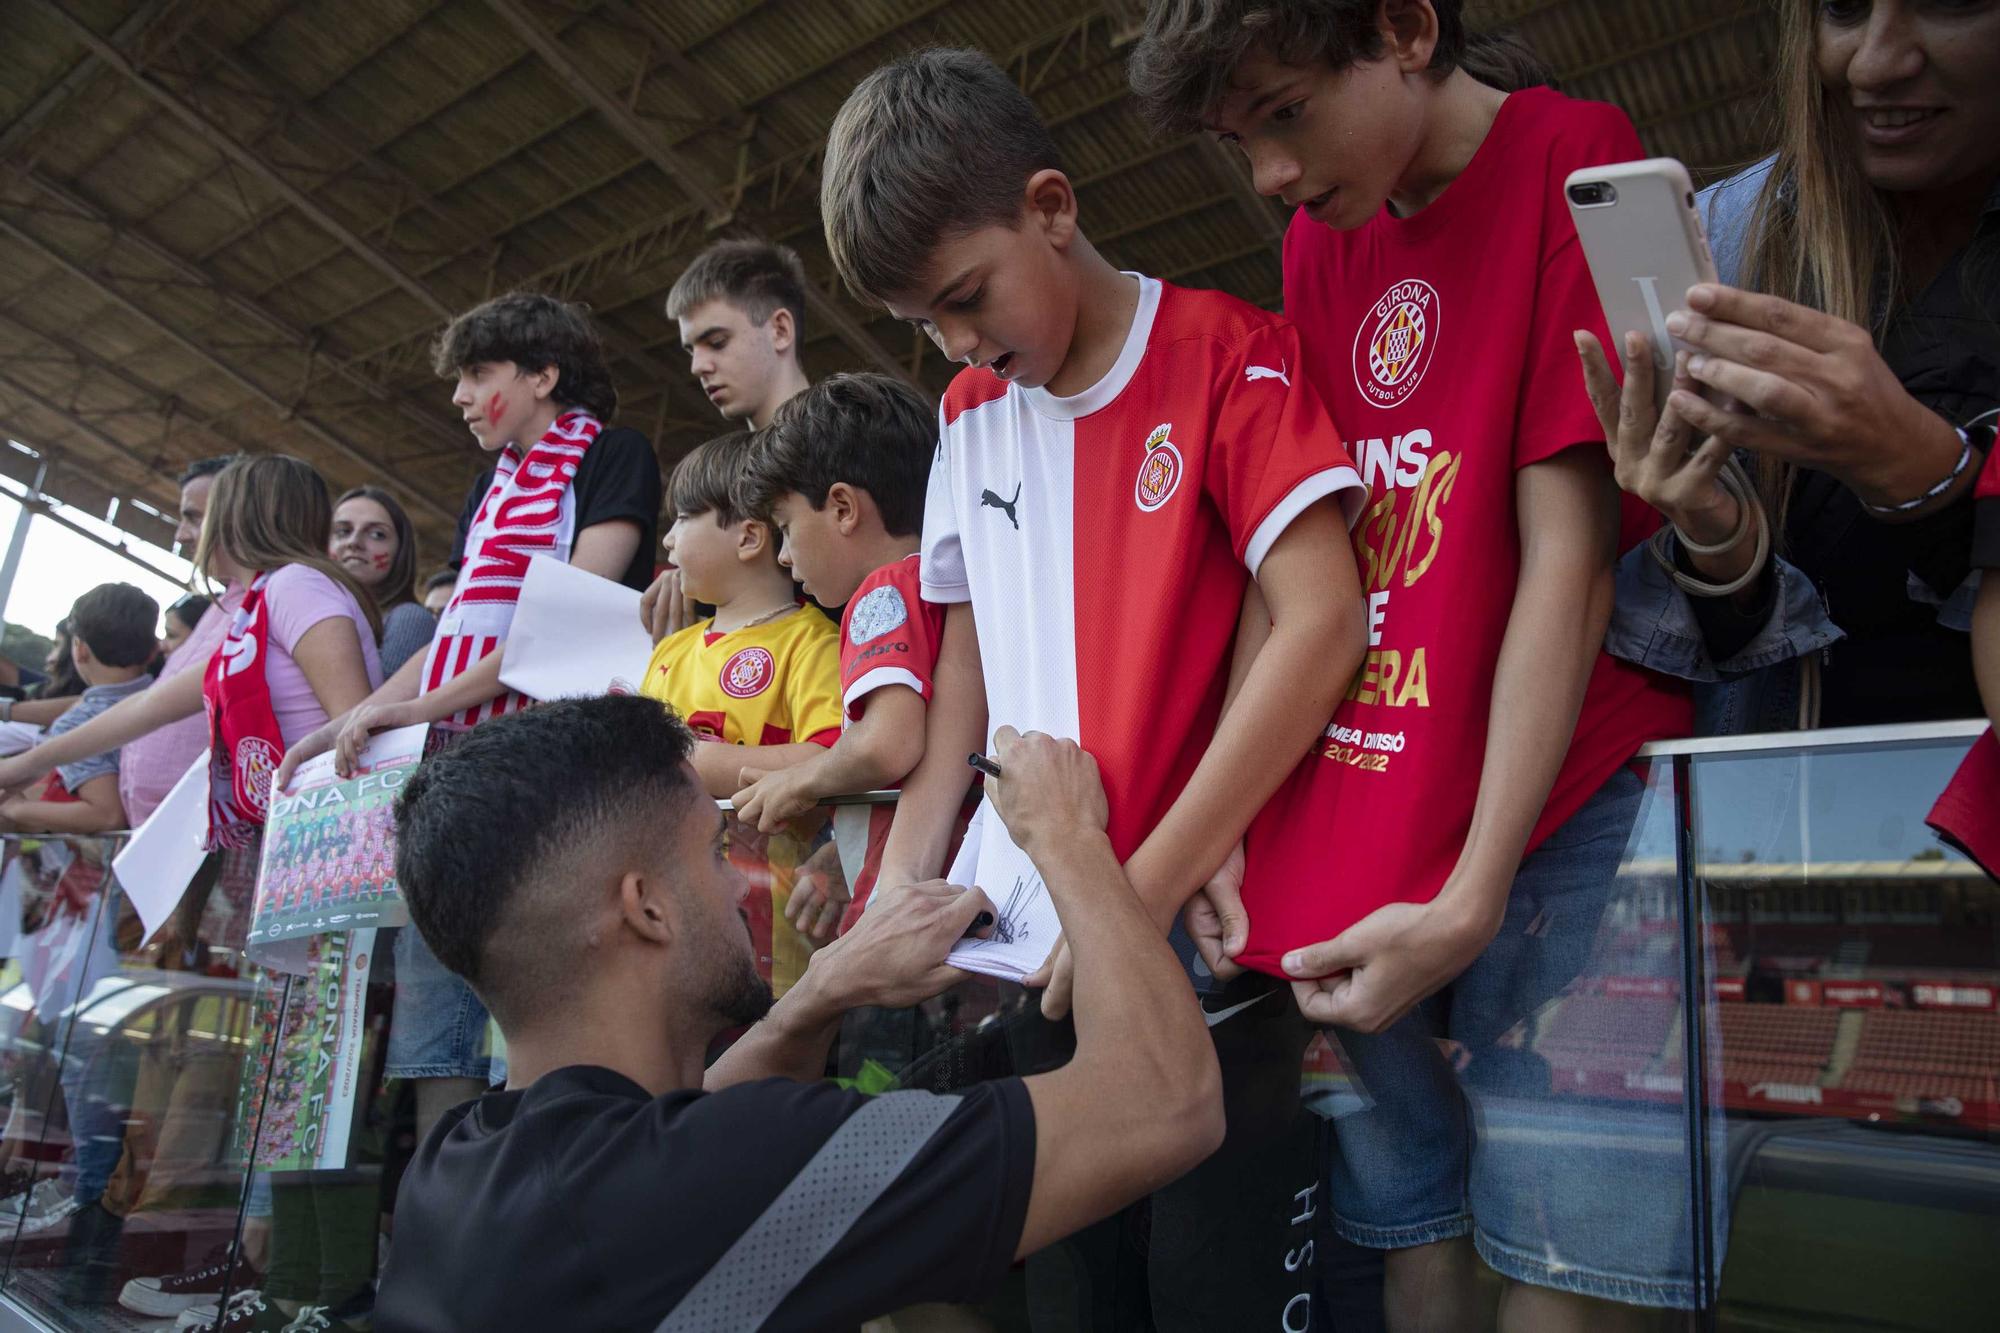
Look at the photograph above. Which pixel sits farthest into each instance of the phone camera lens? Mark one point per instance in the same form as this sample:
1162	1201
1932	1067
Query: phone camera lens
1591	194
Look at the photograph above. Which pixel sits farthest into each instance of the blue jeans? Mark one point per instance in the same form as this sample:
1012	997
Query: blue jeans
1584	1196
438	1029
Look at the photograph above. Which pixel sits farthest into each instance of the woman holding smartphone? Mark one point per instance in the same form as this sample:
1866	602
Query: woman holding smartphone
1856	326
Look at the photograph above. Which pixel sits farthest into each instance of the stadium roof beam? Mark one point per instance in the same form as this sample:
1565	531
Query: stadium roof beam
635	131
132	31
187	344
156	481
195	272
223	142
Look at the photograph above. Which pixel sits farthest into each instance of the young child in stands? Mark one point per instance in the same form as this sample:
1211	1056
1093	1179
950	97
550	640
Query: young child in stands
758	680
840	473
1119	461
111	640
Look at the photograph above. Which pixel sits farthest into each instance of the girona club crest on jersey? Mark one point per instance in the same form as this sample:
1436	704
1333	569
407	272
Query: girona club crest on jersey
1159	471
1393	346
747	673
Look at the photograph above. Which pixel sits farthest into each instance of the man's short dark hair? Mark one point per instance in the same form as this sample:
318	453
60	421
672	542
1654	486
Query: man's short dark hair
205	467
936	144
492	833
705	481
534	332
873	432
757	277
444	578
117	621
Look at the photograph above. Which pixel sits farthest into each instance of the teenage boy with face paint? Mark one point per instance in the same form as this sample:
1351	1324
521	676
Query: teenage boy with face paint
533	389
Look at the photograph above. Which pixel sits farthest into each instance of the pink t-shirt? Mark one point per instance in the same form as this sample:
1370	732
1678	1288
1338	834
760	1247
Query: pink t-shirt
149	767
299	597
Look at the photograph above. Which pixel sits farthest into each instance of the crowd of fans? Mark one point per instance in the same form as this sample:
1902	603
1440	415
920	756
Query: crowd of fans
1346	607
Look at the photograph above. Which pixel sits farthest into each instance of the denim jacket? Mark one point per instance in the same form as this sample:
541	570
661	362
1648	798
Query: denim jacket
1653	622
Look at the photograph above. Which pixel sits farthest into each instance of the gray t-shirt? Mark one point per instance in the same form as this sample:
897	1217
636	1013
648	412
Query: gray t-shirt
93	701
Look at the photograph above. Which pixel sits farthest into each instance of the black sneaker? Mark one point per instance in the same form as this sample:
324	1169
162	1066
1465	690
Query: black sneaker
176	1292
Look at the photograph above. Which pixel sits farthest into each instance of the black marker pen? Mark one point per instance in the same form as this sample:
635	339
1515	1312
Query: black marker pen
984	765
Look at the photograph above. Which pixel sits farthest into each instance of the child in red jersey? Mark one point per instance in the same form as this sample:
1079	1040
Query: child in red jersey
840	473
1463	819
1120	460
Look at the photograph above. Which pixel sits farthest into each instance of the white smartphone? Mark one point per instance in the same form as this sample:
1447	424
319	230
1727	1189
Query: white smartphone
1645	244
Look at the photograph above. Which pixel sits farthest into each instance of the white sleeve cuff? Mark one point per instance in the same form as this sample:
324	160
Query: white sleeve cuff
944	594
877	679
1343	481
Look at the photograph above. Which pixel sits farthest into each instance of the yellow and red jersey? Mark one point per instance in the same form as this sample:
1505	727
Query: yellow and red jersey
769	684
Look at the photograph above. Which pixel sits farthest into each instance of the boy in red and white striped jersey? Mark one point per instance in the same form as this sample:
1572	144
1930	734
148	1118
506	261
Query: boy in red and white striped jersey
1119	462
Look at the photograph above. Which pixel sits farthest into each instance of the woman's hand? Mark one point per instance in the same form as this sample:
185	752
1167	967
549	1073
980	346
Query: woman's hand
1818	394
1650	454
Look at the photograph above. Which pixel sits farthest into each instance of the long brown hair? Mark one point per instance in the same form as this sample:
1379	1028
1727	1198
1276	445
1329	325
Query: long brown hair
1820	235
272	510
401	583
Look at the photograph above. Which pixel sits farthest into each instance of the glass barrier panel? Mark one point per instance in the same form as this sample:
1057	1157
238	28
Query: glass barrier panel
1850	1010
1535	1109
125	1064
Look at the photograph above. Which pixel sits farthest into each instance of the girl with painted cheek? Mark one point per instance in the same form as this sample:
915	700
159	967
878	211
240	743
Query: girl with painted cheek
373	540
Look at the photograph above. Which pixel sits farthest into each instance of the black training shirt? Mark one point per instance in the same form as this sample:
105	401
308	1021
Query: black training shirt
619	478
581	1203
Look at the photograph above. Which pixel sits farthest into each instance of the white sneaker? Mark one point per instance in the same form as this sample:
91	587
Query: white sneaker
204	1316
46	1200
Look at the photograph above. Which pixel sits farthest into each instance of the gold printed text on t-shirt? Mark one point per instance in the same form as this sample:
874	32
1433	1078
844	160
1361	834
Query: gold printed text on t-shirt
1385	538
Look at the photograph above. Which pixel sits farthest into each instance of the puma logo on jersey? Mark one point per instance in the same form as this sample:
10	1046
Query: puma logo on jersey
1252	374
988	499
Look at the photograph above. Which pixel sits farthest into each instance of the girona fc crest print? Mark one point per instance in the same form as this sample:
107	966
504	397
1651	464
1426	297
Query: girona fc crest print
1159	471
1393	346
747	673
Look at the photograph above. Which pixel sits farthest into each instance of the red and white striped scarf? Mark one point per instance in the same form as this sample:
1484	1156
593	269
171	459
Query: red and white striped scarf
529	510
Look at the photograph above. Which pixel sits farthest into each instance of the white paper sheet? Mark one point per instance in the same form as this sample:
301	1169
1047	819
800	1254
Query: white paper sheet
1026	926
574	635
159	862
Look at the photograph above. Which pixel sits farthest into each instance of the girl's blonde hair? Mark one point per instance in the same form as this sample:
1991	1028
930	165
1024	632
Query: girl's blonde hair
272	510
1820	235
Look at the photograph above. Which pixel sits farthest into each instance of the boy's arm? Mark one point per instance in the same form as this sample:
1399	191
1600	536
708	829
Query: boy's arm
1318	634
954	727
154	707
96	809
41	712
1568	518
722	766
875	752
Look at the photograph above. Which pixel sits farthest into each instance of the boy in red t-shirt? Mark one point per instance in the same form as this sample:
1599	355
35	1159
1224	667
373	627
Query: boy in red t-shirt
1462	824
840	473
1120	460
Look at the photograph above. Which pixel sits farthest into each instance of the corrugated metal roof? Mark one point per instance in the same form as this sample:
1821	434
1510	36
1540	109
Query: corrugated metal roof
164	293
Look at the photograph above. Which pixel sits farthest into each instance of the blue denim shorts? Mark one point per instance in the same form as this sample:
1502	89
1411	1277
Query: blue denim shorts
439	1027
1588	1196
